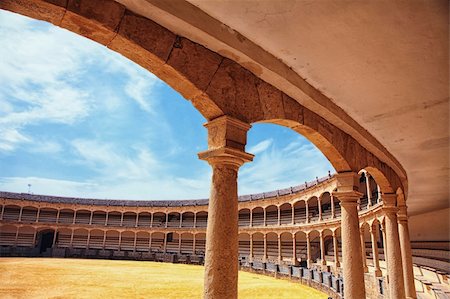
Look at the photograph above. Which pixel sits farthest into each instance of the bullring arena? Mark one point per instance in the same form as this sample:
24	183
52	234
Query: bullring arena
376	228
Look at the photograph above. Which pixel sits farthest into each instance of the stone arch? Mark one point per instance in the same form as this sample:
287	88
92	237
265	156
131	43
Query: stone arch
244	246
67	215
187	241
129	219
82	216
258	246
144	219
286	246
215	85
142	241
244	217
188	219
257	216
25	236
300	211
29	214
285	213
11	212
272	246
271	215
96	239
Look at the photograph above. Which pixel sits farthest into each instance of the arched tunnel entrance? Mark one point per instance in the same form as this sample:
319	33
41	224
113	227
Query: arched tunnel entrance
45	240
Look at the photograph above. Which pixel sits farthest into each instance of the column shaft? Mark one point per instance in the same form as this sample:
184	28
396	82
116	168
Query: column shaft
308	252
376	259
395	269
322	250
335	251
363	250
353	271
405	247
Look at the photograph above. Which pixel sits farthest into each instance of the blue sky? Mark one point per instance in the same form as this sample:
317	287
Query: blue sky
77	119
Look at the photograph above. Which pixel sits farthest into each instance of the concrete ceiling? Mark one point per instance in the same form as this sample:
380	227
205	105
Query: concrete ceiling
385	63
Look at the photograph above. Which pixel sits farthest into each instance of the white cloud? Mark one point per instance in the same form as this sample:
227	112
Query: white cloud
281	168
260	147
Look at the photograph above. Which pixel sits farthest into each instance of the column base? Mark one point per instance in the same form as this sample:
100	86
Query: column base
377	273
366	269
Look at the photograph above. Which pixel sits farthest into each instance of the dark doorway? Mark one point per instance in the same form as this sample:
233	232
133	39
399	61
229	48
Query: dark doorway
46	240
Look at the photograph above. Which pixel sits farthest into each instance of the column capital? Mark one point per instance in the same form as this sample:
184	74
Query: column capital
402	214
347	181
227	137
348	196
226	155
389	203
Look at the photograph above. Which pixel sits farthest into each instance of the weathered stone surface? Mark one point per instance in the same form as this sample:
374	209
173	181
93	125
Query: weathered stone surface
194	62
271	100
52	12
152	37
97	20
233	88
292	109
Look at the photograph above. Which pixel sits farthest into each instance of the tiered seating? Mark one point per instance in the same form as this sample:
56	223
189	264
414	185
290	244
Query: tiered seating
272	217
48	215
144	220
25	237
114	219
157	243
244	247
186	246
159	220
64	239
244	219
66	216
300	214
29	215
80	239
188	220
11	213
258	219
96	241
83	217
172	245
202	220
173	220
129	220
127	241
112	240
7	235
142	243
98	218
286	216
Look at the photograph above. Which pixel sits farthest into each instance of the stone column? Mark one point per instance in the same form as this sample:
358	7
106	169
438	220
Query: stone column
137	220
151	219
74	217
106	219
376	259
181	220
71	239
251	247
150	243
383	231
353	271
34	237
20	214
165	243
293	215
3	210
294	251
179	243
279	215
405	248
57	216
395	269
322	250
308	251
307	211
251	218
195	220
104	240
333	214
337	264
88	239
265	248
120	240
167	219
37	215
369	195
265	217
90	217
363	250
319	203
280	256
193	244
16	237
121	219
54	238
226	153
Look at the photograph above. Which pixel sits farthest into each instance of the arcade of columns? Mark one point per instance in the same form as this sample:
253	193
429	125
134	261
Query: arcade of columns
231	97
226	142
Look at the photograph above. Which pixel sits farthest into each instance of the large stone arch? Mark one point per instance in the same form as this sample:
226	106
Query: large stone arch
215	85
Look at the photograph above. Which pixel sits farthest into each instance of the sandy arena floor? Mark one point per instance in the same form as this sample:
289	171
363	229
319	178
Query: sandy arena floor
78	278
